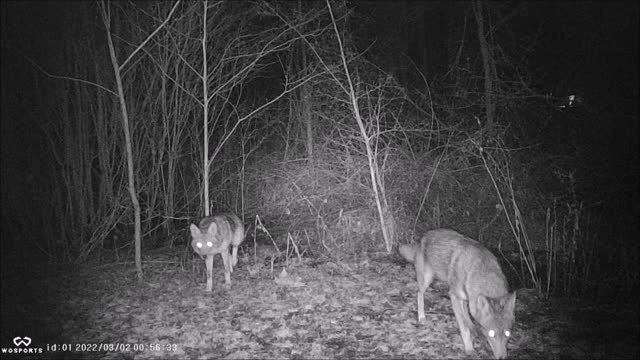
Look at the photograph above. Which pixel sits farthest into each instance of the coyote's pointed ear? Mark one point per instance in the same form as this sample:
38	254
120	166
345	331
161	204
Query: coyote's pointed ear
195	232
509	302
213	228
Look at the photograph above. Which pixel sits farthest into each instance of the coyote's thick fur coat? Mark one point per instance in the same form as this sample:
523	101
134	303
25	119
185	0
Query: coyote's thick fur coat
477	287
213	236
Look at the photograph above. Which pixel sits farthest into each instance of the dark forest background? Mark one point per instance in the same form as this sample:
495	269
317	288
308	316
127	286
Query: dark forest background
513	122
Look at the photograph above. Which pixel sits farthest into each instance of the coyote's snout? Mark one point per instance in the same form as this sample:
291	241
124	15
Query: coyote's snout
477	287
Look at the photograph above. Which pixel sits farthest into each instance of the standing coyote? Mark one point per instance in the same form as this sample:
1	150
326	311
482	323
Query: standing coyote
477	286
213	236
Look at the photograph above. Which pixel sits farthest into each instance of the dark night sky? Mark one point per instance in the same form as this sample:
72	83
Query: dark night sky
591	45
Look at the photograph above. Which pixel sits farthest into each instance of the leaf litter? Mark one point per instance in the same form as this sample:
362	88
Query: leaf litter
306	311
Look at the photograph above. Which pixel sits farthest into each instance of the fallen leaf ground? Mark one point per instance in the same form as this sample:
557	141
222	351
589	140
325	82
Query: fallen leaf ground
319	310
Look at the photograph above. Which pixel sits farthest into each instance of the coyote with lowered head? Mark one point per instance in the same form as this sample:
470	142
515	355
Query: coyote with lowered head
477	287
213	236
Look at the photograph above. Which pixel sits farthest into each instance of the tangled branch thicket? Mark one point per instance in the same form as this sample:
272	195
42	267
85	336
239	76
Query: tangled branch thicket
285	146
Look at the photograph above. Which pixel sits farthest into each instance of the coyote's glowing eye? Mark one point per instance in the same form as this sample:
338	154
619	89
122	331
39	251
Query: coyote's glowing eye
209	244
507	333
199	245
492	333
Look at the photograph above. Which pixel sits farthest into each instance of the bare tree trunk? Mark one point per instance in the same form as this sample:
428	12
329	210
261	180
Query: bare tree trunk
487	62
305	100
205	114
386	220
127	138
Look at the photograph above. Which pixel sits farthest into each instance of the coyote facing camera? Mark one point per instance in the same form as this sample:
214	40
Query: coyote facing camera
477	287
213	236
